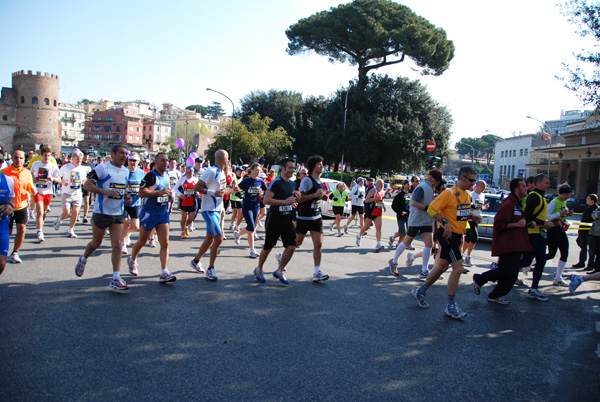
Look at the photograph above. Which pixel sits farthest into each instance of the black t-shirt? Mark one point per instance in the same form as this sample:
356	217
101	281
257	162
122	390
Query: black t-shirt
281	190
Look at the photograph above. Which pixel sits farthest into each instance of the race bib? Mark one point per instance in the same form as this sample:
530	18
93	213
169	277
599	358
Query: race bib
189	192
172	180
285	208
162	200
133	189
462	212
120	187
254	191
316	205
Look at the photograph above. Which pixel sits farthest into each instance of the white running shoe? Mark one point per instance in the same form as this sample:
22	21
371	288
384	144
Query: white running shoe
197	267
133	267
123	248
331	227
56	225
358	240
40	237
211	274
253	253
345	229
410	258
278	258
320	276
128	241
391	241
152	243
237	237
231	226
14	258
71	234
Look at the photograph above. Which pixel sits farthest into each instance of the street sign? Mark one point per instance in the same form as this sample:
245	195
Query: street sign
431	146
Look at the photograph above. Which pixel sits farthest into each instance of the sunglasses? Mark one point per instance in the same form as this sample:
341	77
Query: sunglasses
471	180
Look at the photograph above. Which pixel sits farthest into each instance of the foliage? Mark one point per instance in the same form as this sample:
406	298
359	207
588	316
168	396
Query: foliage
215	110
388	125
253	140
198	109
483	146
372	34
189	132
586	16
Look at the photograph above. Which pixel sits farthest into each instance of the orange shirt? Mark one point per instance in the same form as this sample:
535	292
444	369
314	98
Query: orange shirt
454	205
23	185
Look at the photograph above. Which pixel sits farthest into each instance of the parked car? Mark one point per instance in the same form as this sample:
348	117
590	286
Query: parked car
486	227
576	204
327	206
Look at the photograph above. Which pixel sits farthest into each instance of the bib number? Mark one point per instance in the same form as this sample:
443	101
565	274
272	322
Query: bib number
162	200
285	208
120	188
462	212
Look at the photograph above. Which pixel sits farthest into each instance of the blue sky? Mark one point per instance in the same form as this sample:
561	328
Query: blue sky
507	54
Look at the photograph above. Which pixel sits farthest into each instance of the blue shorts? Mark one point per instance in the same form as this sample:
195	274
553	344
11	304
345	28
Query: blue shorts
213	222
250	216
149	221
4	238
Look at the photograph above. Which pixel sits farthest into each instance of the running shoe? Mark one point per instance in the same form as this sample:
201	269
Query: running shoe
40	237
224	237
278	258
191	227
379	248
339	234
167	277
410	258
256	236
499	300
133	267
526	269
80	266
421	299
476	287
123	248
258	275
410	248
467	261
71	234
453	311
393	267
14	258
358	240
578	265
182	235
128	241
281	277
197	266
391	241
106	232
211	274
253	254
320	276
576	281
465	271
331	227
237	237
231	226
152	243
423	275
346	229
559	282
260	224
118	284
536	294
85	219
187	231
56	225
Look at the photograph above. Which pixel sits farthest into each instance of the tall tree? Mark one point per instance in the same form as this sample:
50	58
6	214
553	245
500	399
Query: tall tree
371	34
198	109
483	146
215	110
586	16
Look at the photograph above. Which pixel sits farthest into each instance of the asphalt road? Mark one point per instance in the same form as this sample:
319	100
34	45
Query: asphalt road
359	336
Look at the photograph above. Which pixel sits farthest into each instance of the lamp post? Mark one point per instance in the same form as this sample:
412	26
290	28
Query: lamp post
232	112
549	142
472	155
344	139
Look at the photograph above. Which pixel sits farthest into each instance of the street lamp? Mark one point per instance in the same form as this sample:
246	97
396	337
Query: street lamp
472	155
550	139
232	112
344	140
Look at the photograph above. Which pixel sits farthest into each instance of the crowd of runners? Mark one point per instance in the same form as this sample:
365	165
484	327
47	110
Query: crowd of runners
130	195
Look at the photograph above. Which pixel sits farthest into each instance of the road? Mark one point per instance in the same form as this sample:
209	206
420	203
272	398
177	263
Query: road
359	336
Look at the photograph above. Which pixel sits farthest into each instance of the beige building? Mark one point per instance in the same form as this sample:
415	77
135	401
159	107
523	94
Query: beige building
72	119
92	107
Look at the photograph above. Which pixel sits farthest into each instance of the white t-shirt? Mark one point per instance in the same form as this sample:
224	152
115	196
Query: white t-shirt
108	177
43	172
73	178
215	180
174	176
358	195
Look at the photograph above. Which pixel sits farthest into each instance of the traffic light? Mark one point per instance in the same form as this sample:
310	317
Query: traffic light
431	162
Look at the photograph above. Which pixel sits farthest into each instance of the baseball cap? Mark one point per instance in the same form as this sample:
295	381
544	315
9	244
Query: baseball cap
360	180
239	169
133	157
262	176
198	160
188	167
436	174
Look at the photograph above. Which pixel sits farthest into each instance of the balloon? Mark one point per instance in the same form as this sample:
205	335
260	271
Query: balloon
128	152
190	161
194	155
180	142
76	150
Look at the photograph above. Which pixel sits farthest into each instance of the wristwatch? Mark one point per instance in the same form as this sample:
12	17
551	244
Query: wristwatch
444	221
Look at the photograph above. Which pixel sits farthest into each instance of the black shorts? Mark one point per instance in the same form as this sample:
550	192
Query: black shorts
132	212
472	235
338	210
414	230
314	225
226	204
187	208
236	204
19	217
103	221
450	249
358	209
262	204
277	226
84	193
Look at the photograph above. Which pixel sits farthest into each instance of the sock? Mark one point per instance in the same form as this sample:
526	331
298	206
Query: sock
560	267
83	259
399	250
451	301
317	268
116	275
422	290
378	245
426	255
164	271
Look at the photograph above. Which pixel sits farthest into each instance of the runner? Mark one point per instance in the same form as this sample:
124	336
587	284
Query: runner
510	240
357	199
86	196
44	173
7	203
155	188
184	190
309	212
339	197
374	209
109	181
419	221
131	222
198	172
472	235
213	185
252	187
174	176
236	202
451	209
282	198
23	185
557	236
73	175
583	240
401	206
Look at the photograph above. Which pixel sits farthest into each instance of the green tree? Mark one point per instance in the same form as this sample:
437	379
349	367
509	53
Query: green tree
371	34
198	109
586	16
484	146
215	110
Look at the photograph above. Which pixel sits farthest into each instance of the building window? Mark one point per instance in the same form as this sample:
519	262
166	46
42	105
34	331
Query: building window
107	129
54	103
118	129
526	151
97	128
4	117
137	129
521	152
118	137
46	102
502	154
34	100
22	99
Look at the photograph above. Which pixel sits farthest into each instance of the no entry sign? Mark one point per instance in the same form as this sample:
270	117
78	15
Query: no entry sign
430	146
